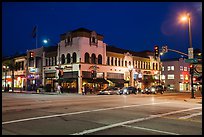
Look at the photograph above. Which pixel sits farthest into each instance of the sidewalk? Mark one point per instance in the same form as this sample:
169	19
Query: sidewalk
43	93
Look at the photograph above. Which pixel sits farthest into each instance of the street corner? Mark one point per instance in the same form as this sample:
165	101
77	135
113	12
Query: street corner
197	100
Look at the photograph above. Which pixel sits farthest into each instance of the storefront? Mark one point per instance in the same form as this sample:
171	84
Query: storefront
50	80
20	82
69	82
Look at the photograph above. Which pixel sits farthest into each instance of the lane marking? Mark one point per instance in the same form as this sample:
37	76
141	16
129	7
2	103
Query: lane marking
149	129
75	113
192	115
132	121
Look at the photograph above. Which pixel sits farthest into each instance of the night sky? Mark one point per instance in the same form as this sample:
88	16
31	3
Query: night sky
134	26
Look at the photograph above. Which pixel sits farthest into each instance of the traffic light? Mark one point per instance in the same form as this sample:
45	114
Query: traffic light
191	69
156	51
164	49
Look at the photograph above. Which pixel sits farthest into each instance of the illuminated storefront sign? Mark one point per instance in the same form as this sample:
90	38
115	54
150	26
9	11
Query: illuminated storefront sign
32	70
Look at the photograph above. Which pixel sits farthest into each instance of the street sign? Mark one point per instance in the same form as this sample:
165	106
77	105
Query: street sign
193	60
190	53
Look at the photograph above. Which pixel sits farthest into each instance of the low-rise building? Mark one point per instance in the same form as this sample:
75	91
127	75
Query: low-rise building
175	74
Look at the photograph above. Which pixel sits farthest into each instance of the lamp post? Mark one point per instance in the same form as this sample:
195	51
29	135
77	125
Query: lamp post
186	18
130	70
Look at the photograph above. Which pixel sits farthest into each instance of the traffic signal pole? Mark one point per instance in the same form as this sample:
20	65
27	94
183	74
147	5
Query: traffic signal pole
191	72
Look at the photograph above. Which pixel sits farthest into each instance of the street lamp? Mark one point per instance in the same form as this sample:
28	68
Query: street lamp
186	18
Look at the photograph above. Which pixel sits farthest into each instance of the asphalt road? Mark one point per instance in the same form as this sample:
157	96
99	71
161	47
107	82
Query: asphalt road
70	114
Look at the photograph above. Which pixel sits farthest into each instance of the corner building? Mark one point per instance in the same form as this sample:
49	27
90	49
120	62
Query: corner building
82	51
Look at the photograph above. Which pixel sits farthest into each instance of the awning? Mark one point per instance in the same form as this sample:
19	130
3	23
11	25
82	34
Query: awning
117	80
70	80
98	80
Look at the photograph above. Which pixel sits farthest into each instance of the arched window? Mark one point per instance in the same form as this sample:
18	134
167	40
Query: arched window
87	57
99	59
93	58
68	58
125	63
129	63
74	57
63	59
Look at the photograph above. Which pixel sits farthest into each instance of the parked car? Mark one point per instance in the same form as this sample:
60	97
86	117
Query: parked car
160	89
128	90
154	89
109	91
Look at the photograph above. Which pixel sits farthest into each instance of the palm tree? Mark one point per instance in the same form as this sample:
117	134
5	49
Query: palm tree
12	67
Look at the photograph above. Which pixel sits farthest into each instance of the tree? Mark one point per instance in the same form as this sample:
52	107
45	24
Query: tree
12	67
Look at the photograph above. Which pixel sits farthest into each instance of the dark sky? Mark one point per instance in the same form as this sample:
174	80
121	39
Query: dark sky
135	26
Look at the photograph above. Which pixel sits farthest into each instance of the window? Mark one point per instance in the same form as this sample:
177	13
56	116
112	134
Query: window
55	60
129	63
162	68
171	76
87	57
181	76
181	68
62	59
125	63
49	61
143	65
108	60
93	40
185	68
153	66
119	62
74	56
68	58
172	67
111	60
22	65
99	59
163	77
68	40
46	62
52	61
93	59
156	66
115	61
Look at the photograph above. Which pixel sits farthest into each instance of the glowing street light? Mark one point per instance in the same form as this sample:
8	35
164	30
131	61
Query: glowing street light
186	18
